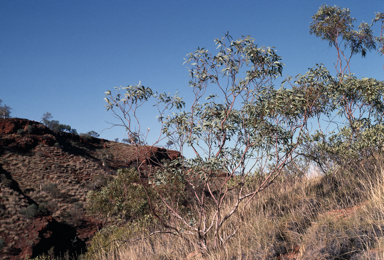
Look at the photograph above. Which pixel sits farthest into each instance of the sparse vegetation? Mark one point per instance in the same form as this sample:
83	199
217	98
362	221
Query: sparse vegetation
52	190
273	210
317	218
246	194
90	134
5	111
20	131
31	211
5	181
55	125
30	129
122	197
2	243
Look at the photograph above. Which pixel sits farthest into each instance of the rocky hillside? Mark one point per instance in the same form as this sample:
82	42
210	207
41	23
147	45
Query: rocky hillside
44	181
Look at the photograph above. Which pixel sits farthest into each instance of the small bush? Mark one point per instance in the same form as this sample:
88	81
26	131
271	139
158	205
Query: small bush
78	205
31	211
40	154
43	208
72	216
30	129
121	197
126	198
5	181
52	190
20	132
2	243
51	206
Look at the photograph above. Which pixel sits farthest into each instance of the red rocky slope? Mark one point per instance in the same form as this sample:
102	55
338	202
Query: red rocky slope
44	181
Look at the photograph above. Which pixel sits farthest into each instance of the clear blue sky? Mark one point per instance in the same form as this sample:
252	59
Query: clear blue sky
61	56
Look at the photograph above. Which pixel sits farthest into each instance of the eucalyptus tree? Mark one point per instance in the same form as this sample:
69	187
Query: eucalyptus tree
238	122
356	106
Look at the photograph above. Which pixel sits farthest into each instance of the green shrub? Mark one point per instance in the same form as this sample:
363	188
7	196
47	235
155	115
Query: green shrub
31	211
51	206
71	216
43	208
30	129
20	131
52	190
121	197
2	243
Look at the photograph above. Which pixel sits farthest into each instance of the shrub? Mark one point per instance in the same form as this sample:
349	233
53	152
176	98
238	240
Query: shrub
31	211
90	134
5	181
43	207
30	129
40	154
126	198
72	216
121	197
51	206
52	190
20	131
2	243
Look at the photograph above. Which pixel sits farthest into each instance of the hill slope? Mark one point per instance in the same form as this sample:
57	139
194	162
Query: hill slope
44	181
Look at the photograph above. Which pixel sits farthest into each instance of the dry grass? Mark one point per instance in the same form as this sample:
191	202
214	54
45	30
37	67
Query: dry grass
339	216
